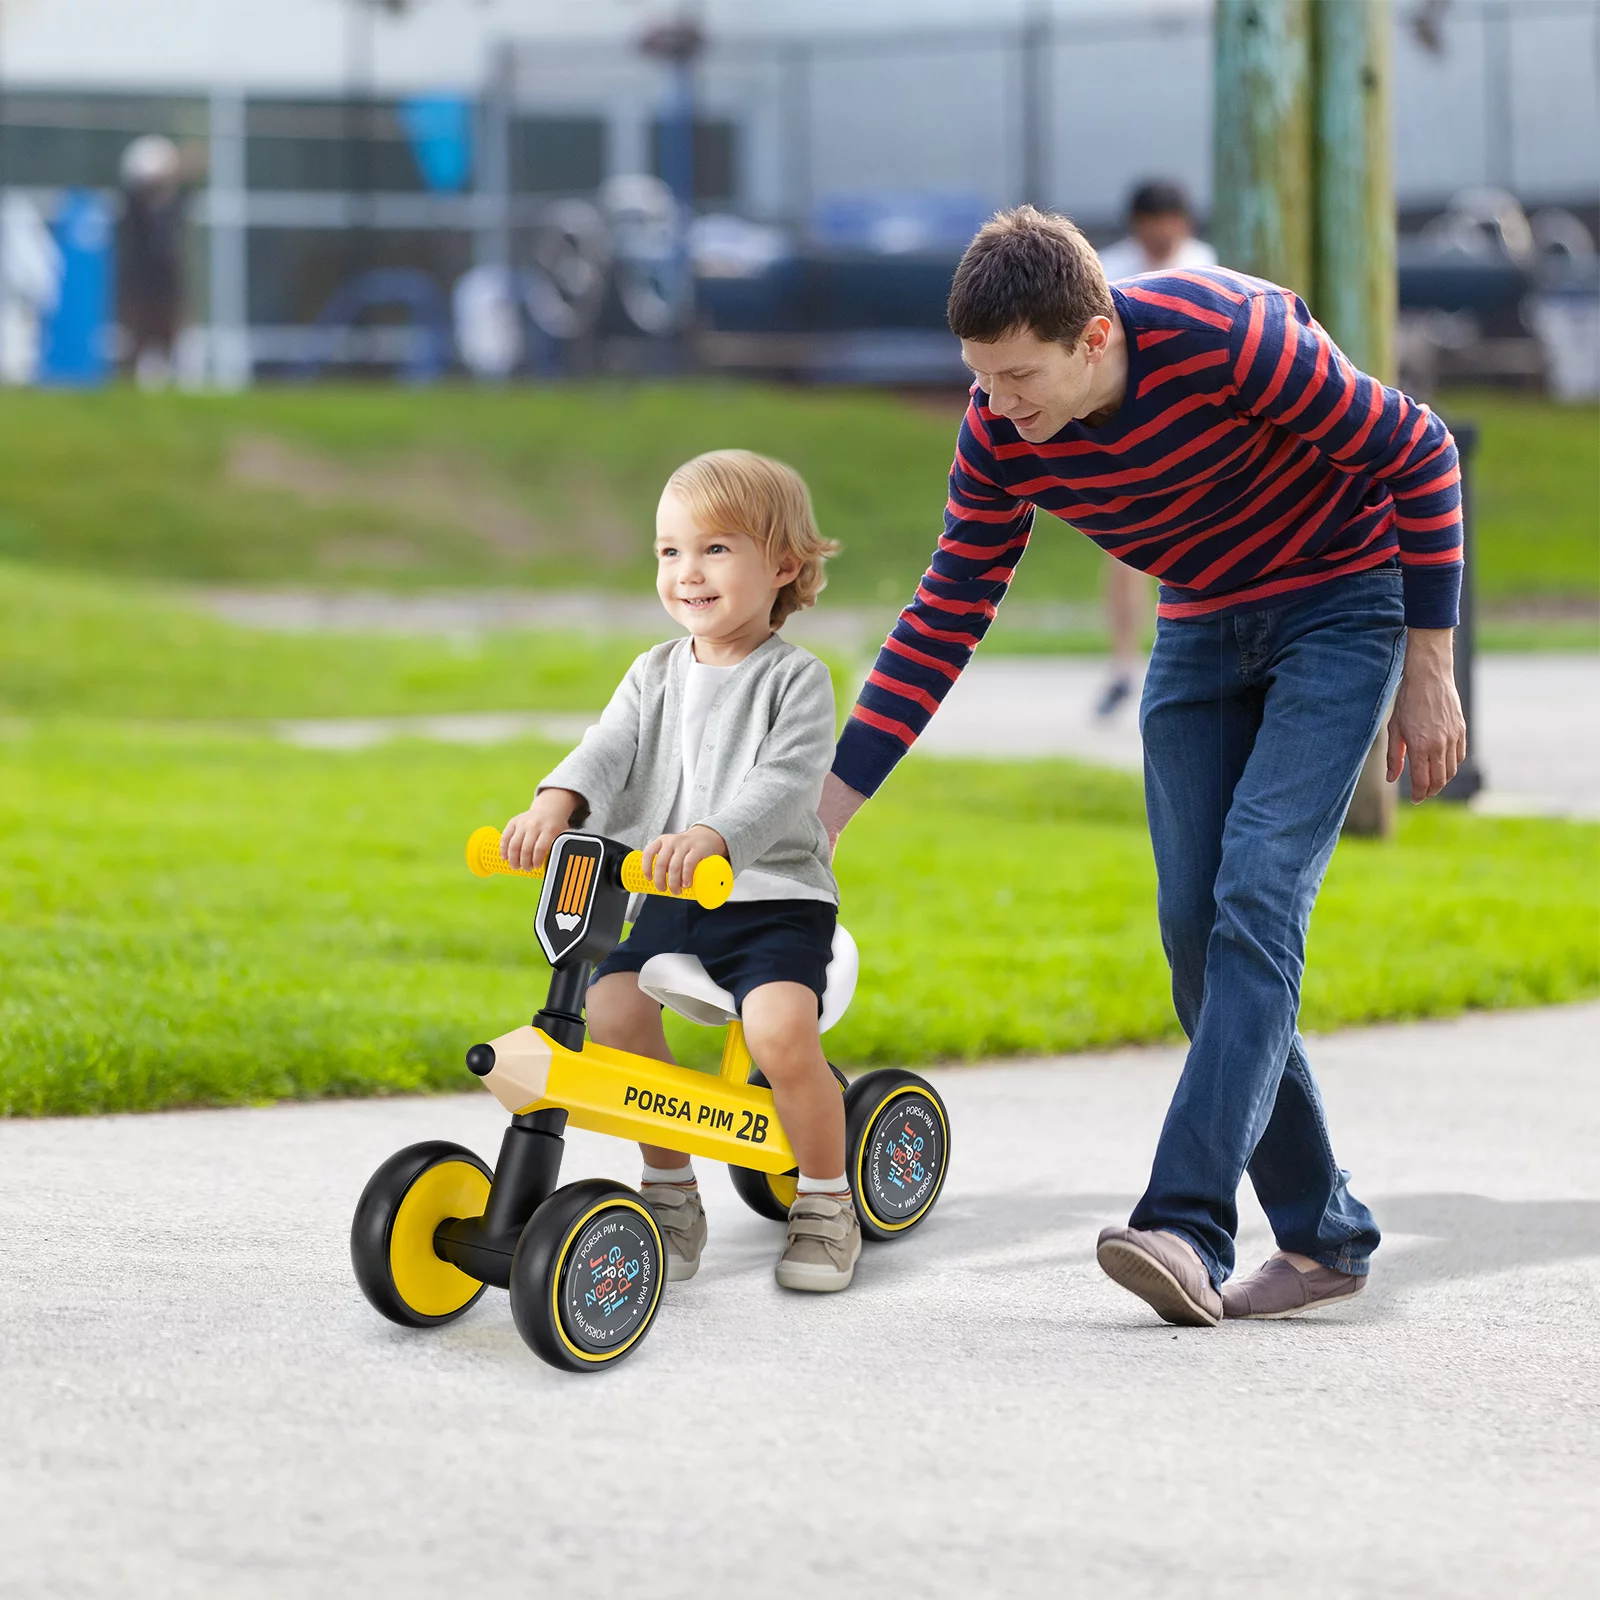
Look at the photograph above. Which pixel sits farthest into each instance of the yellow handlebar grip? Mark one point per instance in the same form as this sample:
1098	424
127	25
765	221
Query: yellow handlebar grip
713	878
483	856
713	881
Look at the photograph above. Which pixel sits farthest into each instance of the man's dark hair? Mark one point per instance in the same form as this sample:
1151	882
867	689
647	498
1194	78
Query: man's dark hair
1159	198
1027	269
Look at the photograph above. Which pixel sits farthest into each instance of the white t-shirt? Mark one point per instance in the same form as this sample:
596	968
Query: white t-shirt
1126	258
700	686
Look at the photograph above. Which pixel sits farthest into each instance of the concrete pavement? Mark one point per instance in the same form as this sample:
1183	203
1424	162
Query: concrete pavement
1536	734
195	1400
1539	734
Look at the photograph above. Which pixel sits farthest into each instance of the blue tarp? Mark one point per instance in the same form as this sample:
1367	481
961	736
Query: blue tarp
75	341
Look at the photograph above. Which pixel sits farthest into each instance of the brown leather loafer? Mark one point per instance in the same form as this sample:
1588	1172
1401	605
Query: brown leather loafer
1278	1288
1164	1272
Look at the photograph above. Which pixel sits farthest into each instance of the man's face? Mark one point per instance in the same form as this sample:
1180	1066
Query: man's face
1038	385
1161	236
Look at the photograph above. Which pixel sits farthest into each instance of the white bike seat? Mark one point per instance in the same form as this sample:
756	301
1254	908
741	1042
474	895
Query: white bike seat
683	985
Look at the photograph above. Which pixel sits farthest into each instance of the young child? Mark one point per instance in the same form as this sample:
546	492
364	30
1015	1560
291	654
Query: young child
717	744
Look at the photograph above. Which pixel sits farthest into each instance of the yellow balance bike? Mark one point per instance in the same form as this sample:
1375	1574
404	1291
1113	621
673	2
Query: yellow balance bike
585	1263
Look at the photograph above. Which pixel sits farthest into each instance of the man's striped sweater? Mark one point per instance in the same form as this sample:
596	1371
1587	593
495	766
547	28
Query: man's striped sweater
1247	462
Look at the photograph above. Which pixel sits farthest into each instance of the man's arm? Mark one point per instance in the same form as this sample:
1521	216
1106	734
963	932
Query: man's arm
985	533
838	804
1427	720
1287	370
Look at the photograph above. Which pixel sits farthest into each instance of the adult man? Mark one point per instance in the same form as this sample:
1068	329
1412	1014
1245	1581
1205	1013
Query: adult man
1305	523
1160	238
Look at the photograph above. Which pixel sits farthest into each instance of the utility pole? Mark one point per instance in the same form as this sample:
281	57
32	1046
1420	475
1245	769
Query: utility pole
491	245
358	83
1263	129
1304	195
1353	281
226	216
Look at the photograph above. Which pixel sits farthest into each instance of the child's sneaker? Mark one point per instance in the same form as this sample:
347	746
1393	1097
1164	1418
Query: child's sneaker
824	1242
682	1220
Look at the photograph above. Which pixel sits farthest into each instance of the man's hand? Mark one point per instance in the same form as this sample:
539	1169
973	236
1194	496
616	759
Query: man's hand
670	860
838	804
1427	721
528	836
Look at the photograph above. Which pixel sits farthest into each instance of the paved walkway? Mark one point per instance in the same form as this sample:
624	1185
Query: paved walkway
1536	734
195	1401
854	628
1539	725
1537	731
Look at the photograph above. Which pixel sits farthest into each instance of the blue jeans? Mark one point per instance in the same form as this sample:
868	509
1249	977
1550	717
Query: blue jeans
1255	727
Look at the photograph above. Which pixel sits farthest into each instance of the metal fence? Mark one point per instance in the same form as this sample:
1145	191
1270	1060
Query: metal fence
862	141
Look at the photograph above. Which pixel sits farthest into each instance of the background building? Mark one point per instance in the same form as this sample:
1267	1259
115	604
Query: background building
344	137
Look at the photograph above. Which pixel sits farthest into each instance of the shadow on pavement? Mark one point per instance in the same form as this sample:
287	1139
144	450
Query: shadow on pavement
1469	1235
1453	1236
1450	1237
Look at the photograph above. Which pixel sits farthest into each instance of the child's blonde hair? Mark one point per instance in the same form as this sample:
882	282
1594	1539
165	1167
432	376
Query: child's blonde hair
737	491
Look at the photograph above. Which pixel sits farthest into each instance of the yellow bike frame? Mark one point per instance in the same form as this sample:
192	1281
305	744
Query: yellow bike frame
637	1097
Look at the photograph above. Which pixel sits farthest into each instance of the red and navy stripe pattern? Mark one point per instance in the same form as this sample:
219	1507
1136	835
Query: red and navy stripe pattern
1249	461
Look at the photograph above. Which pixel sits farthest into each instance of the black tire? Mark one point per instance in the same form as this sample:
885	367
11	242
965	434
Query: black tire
897	1150
558	1288
391	1241
764	1192
770	1194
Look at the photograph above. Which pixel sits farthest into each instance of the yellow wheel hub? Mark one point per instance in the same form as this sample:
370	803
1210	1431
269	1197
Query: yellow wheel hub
784	1187
430	1286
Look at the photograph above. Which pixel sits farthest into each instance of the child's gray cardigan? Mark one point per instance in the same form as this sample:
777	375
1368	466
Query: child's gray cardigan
768	744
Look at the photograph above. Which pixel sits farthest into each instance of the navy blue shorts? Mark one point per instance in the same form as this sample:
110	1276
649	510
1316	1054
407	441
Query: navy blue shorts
741	945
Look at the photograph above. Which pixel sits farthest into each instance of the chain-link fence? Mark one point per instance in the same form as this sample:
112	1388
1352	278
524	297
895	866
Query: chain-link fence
832	178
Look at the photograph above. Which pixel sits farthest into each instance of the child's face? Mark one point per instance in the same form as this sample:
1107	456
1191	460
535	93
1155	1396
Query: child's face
719	586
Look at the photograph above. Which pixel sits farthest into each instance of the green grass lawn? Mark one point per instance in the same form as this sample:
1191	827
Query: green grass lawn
552	487
556	486
101	647
1536	488
192	914
190	917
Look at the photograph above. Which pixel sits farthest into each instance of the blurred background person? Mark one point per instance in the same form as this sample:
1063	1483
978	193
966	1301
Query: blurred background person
150	257
1160	235
1160	238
